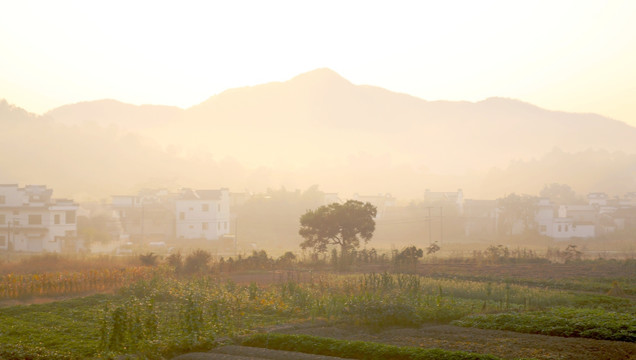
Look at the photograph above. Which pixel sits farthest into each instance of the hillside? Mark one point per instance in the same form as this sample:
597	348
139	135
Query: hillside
325	118
317	128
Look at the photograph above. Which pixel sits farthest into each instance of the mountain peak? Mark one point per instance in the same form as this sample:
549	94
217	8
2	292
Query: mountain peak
320	75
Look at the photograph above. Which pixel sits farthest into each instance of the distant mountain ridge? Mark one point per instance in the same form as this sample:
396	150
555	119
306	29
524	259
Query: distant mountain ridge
370	119
261	123
320	127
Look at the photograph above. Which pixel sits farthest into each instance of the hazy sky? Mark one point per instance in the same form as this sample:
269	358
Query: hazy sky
574	56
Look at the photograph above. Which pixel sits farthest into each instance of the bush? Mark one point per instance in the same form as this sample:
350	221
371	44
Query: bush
197	262
149	259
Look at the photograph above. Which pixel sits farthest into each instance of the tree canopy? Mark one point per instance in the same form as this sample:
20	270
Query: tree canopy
337	224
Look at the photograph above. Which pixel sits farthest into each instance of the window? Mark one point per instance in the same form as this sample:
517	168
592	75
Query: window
3	219
2	199
204	226
559	228
544	228
205	207
182	216
70	217
225	225
566	228
56	219
3	241
35	219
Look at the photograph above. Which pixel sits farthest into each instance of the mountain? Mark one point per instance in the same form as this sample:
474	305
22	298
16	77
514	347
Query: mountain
89	161
152	120
319	128
320	116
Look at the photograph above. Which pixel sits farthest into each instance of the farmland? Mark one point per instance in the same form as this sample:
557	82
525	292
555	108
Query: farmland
154	312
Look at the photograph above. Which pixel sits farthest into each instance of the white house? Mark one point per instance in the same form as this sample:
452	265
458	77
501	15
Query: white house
570	220
202	214
30	220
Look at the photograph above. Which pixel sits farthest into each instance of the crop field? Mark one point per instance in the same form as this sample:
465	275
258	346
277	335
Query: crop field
157	314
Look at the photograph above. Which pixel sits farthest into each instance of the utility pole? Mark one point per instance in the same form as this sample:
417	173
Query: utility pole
143	215
430	238
9	240
441	225
236	236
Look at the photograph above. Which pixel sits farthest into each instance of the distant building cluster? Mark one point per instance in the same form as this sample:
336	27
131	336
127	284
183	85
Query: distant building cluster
31	220
161	216
601	215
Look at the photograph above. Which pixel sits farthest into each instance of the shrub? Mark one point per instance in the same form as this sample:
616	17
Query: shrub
197	262
148	259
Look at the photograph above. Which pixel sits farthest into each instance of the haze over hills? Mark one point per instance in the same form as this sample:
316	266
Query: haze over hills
318	128
113	112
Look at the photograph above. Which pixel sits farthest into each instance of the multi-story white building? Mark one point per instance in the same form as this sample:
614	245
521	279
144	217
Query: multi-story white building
202	214
30	220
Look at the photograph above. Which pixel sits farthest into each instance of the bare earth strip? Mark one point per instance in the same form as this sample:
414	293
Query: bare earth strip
232	352
505	344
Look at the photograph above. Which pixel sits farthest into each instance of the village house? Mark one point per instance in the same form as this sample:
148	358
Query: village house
32	221
567	221
160	216
202	214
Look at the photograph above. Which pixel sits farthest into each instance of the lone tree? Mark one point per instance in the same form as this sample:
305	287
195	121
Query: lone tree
338	224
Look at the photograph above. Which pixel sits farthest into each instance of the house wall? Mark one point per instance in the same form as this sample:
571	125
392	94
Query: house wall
564	229
203	218
27	219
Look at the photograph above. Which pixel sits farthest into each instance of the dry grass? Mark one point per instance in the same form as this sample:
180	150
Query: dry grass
35	264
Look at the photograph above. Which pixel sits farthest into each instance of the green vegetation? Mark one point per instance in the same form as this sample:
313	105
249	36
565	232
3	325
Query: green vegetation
569	322
167	311
355	349
61	330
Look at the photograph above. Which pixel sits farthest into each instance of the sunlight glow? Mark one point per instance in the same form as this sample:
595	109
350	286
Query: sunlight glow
567	55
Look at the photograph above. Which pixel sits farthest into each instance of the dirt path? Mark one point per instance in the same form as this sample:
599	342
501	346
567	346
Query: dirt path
504	344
